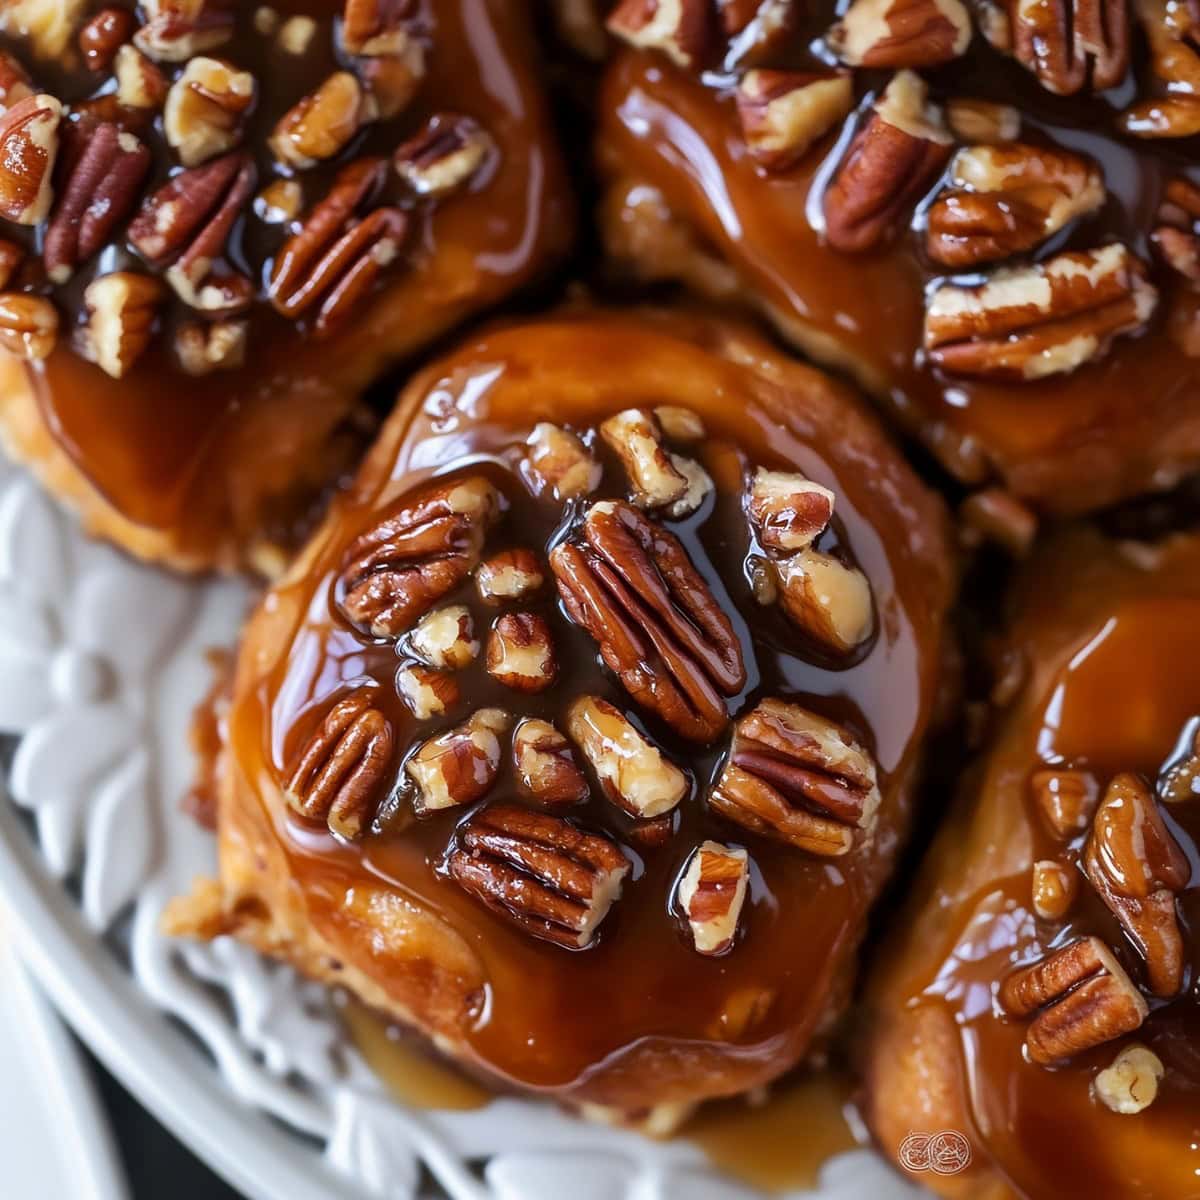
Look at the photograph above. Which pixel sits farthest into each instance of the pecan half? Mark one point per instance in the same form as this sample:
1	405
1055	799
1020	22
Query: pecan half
122	313
559	463
1063	42
1137	868
204	109
1129	1084
444	156
445	637
459	766
520	652
632	771
28	325
341	771
784	112
28	149
826	598
902	146
396	572
788	511
509	575
428	693
680	29
546	767
711	894
203	347
1066	800
901	33
1177	236
176	30
794	776
552	879
658	478
1044	319
1173	108
1005	199
98	193
337	257
322	124
1082	997
632	586
103	35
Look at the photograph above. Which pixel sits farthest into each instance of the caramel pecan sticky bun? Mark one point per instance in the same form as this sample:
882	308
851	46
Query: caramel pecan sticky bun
611	670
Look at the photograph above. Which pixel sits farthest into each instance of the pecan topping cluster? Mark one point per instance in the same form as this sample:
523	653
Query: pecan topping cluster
552	702
74	170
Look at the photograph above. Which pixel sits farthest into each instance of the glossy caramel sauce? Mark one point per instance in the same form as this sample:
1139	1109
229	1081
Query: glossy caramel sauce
199	455
1073	442
1116	676
589	1024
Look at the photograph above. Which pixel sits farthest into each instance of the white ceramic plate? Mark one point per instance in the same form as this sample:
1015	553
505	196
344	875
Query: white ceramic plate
102	662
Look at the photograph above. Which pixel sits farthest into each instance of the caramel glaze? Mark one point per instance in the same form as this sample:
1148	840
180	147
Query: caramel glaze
1113	646
1068	443
639	1018
210	458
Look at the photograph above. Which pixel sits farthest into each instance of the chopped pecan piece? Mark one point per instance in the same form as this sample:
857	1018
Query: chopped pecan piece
520	652
98	193
396	572
445	637
140	84
784	112
680	29
1129	1084
546	767
788	511
1177	236
509	575
1066	800
982	122
203	347
559	463
631	769
28	149
103	35
373	26
679	424
1005	199
1054	888
552	879
711	894
28	325
321	125
826	598
1044	319
1062	42
459	766
48	25
1082	997
902	146
444	156
204	110
336	258
658	478
797	777
122	319
176	30
341	771
280	202
632	586
428	693
901	33
1138	868
1179	779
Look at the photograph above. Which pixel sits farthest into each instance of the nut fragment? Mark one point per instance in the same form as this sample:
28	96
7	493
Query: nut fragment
341	771
320	125
391	60
396	572
784	112
509	575
204	109
982	122
552	879
795	776
1066	800
15	84
444	156
1053	889
901	147
446	637
1179	779
826	598
28	149
711	893
658	478
1084	996
280	202
1005	199
177	30
122	318
48	25
296	34
1129	1084
140	84
1177	236
28	325
788	511
1138	868
1043	319
901	33
632	771
679	424
559	463
996	515
632	586
546	767
204	347
680	29
459	766
102	35
428	693
520	652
